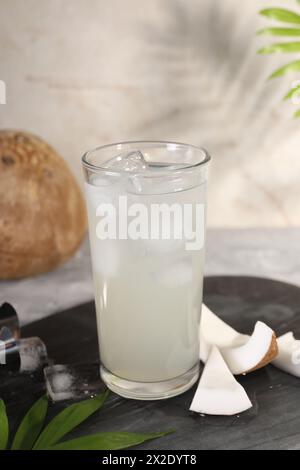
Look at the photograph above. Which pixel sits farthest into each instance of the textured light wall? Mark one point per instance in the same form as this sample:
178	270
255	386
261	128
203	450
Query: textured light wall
83	73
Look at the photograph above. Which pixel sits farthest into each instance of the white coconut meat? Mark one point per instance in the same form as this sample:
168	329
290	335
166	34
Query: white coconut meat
214	331
218	392
288	358
242	353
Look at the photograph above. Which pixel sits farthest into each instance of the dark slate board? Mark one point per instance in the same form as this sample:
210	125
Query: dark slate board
272	423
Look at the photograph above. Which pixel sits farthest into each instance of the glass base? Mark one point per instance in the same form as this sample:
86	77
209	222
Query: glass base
150	390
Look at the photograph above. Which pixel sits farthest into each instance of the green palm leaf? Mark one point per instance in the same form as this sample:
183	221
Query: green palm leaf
108	441
291	67
286	47
297	114
293	92
31	425
3	426
281	14
68	419
279	32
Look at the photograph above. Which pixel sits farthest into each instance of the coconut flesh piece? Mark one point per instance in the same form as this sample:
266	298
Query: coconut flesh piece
288	358
242	353
218	392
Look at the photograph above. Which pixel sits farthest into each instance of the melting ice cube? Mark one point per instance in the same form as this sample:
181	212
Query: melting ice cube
33	354
135	164
9	352
176	275
5	334
129	161
24	355
74	381
9	320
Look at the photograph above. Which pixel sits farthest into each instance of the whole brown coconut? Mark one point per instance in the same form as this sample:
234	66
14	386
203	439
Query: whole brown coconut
42	212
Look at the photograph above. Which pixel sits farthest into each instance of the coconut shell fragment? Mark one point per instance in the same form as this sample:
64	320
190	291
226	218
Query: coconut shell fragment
270	355
242	353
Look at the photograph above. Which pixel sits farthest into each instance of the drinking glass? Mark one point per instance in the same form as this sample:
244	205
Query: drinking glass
146	206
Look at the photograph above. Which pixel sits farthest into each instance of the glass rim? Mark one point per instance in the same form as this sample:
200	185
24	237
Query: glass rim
93	167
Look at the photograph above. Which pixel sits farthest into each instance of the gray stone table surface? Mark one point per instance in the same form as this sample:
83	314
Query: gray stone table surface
271	253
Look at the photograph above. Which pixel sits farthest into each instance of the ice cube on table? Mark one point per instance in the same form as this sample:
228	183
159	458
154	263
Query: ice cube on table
33	354
9	352
9	320
73	381
5	334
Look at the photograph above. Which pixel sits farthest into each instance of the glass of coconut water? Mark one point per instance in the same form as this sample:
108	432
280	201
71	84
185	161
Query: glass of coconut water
146	207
